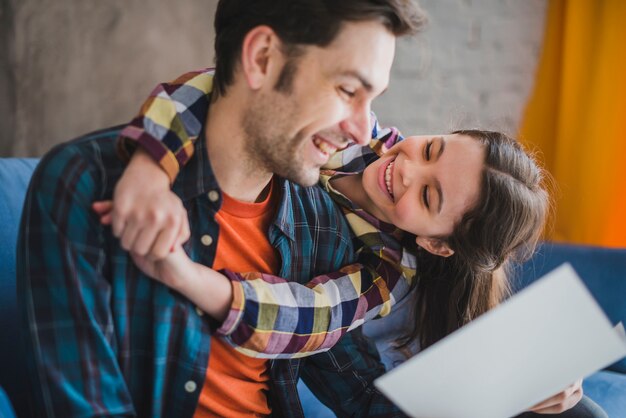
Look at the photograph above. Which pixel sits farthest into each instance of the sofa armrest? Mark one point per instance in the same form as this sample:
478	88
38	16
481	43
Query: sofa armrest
15	174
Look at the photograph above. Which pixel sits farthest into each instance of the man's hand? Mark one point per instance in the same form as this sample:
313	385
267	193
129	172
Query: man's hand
562	401
147	217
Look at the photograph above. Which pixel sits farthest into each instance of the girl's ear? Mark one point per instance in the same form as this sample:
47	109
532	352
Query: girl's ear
435	246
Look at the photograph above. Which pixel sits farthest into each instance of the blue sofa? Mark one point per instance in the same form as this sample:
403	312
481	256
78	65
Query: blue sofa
603	270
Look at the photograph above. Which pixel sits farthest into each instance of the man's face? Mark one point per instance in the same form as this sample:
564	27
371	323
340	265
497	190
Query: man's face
292	131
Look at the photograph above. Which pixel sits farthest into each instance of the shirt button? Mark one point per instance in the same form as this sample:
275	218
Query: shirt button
190	386
206	240
199	311
214	195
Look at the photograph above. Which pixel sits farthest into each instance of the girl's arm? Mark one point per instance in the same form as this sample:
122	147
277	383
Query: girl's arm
208	289
263	315
149	219
160	128
162	132
266	316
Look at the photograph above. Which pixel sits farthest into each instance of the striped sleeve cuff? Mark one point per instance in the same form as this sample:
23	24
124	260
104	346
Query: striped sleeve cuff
132	136
170	121
235	314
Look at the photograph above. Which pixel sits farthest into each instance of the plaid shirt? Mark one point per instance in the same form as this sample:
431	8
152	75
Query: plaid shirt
312	317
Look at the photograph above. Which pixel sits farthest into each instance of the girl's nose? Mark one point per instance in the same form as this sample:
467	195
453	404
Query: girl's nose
409	169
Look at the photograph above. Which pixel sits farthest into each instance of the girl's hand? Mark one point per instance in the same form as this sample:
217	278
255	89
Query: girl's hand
208	289
562	401
146	216
176	270
148	234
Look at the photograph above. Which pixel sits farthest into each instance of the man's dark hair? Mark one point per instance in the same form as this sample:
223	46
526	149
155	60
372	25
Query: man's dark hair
301	22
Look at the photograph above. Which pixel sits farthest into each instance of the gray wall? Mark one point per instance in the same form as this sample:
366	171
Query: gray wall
71	66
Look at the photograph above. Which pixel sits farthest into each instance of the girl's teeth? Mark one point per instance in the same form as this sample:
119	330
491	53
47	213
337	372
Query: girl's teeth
388	178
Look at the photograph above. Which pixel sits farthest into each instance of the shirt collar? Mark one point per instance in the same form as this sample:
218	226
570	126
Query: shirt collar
285	216
197	178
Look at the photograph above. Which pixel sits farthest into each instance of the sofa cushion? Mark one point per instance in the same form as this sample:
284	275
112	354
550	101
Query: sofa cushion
15	174
607	389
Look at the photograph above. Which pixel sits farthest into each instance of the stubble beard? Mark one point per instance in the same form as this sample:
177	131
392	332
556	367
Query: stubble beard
270	147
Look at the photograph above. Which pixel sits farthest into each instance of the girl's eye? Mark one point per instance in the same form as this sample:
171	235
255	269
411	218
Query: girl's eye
427	150
425	197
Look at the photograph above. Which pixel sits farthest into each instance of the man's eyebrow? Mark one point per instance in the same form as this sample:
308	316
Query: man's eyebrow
439	194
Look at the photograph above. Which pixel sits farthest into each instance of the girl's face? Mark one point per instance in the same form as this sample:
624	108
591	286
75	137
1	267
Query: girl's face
425	184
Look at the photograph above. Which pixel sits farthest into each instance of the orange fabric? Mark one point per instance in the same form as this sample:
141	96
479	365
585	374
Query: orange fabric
575	117
236	385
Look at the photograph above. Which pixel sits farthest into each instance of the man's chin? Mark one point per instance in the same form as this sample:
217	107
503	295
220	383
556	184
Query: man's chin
304	178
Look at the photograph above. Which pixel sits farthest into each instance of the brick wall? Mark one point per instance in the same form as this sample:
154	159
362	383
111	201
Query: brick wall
473	66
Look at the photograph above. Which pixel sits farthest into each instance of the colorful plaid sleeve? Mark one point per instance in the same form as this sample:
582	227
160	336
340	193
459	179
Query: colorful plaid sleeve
273	318
354	158
170	121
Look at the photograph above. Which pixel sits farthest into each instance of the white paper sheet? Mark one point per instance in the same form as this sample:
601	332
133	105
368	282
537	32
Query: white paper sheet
533	346
619	328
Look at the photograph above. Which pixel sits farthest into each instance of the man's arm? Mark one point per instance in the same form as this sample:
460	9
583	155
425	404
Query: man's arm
64	297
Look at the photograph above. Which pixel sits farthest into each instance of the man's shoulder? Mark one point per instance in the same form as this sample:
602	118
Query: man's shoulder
93	155
91	143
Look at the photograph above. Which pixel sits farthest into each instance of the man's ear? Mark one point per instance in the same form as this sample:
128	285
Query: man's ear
435	246
260	56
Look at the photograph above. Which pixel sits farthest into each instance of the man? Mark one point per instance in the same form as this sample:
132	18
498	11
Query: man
294	81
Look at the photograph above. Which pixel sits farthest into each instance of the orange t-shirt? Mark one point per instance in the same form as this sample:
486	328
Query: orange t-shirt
236	385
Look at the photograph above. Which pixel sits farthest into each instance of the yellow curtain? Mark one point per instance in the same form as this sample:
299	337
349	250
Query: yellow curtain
576	119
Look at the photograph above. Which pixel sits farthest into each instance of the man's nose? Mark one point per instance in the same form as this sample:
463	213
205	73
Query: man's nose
357	126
